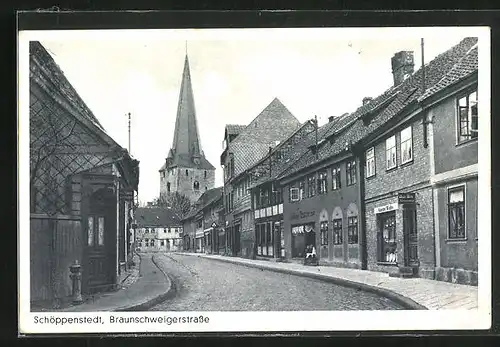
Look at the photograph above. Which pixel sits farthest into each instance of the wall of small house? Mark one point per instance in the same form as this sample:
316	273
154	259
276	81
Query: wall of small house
315	209
448	154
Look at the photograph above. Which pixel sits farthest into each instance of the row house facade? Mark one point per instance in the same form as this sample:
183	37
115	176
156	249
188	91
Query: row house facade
243	148
391	187
83	186
203	230
157	230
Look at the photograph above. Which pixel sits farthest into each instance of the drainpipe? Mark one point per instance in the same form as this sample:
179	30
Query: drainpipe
362	208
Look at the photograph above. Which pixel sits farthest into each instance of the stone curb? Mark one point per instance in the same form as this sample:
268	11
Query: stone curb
157	299
398	298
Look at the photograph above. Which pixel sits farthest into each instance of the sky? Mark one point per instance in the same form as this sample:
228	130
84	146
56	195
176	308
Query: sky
234	75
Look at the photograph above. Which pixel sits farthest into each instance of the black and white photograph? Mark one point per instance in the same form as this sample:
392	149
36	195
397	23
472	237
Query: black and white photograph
254	180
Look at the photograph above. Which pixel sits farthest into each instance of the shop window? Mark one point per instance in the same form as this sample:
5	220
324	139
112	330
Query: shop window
351	172
311	186
337	231
387	237
467	117
370	162
352	230
390	152
336	178
298	241
324	233
456	213
322	182
406	145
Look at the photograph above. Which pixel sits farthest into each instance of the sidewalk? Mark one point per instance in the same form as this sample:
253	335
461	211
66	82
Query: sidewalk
417	293
152	287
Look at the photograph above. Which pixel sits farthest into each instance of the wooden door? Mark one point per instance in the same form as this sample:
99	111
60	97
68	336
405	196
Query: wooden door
410	236
100	250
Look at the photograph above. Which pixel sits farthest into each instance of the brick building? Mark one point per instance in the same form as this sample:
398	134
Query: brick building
399	196
157	230
243	150
82	186
186	170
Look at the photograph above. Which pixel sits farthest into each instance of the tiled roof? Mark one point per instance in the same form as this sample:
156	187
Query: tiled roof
56	75
394	100
208	197
466	66
155	216
253	142
234	129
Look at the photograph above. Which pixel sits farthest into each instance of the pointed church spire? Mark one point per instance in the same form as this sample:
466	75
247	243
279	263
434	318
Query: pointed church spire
186	142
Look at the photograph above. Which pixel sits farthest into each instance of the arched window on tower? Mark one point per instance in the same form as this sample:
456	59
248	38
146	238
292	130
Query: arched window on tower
168	187
205	173
187	173
196	185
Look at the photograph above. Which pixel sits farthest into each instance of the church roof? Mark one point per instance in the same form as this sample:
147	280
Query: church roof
186	148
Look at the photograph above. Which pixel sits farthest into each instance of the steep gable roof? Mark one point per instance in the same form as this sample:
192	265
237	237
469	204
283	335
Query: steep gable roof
207	198
274	123
234	129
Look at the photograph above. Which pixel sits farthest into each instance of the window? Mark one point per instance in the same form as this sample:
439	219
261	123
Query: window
322	182
231	173
387	237
205	174
406	145
337	231
90	228
335	178
311	186
370	162
146	242
162	243
152	243
168	187
352	230
324	233
467	117
351	172
196	185
199	224
187	172
456	213
390	152
294	194
165	230
302	190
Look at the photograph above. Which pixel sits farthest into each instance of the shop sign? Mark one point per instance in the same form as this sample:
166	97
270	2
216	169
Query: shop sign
302	215
406	198
386	208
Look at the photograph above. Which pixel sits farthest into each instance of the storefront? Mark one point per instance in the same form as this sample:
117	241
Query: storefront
199	241
303	235
269	237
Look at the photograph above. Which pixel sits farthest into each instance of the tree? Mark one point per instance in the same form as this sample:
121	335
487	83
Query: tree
177	202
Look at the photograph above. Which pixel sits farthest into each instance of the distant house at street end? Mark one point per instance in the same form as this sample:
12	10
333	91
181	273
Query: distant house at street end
158	230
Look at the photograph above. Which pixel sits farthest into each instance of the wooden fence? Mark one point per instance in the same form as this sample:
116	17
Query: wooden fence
55	244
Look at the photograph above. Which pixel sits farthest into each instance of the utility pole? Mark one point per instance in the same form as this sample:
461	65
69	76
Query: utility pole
316	134
129	134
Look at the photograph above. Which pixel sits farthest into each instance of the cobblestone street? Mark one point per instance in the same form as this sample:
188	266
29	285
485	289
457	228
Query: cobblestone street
207	285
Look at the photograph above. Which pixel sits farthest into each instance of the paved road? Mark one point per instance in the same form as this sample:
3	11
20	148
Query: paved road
208	285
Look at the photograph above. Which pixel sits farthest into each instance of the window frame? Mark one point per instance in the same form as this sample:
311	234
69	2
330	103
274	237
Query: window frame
410	140
461	187
323	233
370	159
350	228
351	173
336	184
463	138
311	185
390	149
337	230
323	182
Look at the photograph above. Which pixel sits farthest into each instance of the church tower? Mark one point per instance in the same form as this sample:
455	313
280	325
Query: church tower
186	170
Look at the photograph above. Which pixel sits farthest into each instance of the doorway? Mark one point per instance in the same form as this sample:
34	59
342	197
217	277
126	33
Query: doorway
100	242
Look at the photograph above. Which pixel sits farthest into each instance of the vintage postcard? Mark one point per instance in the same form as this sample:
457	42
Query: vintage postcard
232	180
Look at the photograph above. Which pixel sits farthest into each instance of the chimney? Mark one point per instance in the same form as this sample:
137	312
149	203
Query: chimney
367	100
402	66
330	119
